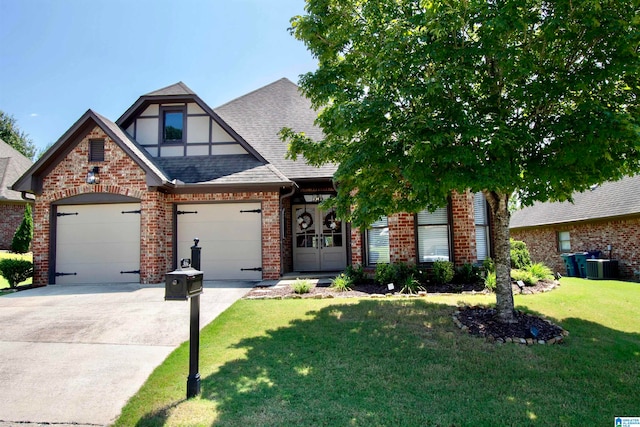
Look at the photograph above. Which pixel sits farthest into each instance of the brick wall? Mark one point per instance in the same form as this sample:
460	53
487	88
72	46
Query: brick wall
464	229
622	234
402	238
11	214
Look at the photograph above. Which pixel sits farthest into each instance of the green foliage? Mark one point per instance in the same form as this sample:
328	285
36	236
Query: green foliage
411	285
399	274
442	272
467	273
520	257
385	273
356	274
22	238
301	286
342	283
490	281
524	275
527	97
16	270
540	271
489	266
12	135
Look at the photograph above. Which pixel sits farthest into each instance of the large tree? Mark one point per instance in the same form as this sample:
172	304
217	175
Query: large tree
416	99
12	135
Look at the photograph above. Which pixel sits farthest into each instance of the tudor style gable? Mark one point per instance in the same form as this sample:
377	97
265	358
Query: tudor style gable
175	122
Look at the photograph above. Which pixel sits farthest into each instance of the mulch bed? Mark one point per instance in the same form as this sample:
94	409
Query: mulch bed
477	320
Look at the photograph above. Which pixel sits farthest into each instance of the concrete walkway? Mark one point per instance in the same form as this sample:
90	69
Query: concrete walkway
74	354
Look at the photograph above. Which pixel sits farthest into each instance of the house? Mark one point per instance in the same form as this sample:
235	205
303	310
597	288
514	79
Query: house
122	201
605	218
12	165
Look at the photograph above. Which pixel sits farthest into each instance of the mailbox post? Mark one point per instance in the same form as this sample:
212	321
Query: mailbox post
180	285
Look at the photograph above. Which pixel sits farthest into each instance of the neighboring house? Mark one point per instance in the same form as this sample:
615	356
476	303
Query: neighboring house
123	201
605	216
12	165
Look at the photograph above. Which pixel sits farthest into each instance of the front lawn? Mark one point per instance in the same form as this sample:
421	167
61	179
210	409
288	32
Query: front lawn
402	362
4	254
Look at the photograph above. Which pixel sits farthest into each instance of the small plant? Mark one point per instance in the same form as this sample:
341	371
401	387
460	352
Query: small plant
342	283
23	235
467	273
411	286
490	281
525	276
443	272
16	270
489	265
301	286
356	274
520	257
540	271
385	273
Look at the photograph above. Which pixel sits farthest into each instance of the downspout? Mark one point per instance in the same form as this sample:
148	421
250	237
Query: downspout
283	225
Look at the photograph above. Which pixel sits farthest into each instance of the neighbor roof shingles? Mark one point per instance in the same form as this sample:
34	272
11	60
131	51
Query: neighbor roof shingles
260	115
611	199
12	165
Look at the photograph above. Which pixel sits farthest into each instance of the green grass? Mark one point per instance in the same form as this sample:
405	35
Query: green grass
402	362
3	254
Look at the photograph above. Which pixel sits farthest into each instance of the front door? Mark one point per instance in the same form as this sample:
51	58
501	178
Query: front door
319	243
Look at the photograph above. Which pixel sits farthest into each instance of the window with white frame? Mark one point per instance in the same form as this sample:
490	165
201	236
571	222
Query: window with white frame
378	242
433	235
564	241
481	219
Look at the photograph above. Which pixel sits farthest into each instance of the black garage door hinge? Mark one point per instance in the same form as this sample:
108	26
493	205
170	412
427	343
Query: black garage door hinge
251	269
138	211
66	213
252	211
130	272
186	212
65	274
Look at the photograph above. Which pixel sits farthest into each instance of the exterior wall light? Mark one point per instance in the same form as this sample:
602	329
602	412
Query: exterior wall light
92	176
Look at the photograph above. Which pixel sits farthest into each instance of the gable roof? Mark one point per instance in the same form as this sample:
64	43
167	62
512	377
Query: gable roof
31	179
12	165
259	116
611	199
177	89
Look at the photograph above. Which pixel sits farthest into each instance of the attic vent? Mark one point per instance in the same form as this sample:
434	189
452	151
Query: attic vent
96	150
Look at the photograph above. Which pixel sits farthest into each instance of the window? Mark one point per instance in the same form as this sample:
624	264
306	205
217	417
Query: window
433	235
378	242
482	226
564	241
173	126
96	150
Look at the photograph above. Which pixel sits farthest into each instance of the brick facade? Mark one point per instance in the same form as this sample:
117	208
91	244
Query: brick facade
120	175
622	234
11	214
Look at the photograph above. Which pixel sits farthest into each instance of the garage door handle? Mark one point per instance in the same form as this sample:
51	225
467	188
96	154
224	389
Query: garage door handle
251	269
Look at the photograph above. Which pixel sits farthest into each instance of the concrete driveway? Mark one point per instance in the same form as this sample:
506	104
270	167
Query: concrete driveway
74	354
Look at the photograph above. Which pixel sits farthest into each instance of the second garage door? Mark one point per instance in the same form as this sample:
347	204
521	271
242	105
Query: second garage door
98	243
230	237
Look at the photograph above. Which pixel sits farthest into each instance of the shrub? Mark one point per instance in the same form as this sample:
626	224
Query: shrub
489	266
520	257
356	275
540	271
467	273
442	272
301	286
490	281
525	276
23	235
411	285
16	270
385	273
341	283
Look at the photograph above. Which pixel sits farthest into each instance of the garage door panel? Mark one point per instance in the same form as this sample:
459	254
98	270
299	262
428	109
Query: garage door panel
230	240
98	243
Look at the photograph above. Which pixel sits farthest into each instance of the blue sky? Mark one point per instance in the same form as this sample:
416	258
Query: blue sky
61	57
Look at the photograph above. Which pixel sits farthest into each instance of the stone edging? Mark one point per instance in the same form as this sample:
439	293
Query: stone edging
515	340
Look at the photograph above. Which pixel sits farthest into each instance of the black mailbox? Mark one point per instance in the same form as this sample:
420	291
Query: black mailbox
182	284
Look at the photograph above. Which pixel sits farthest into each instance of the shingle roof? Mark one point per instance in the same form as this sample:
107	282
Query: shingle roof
174	89
231	169
12	165
611	199
259	116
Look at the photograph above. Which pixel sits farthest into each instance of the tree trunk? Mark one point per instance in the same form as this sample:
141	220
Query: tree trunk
499	204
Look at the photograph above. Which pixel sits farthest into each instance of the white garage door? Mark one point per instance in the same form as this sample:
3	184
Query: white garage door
98	243
230	237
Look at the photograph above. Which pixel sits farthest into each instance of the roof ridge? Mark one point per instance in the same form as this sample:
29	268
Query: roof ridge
184	90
